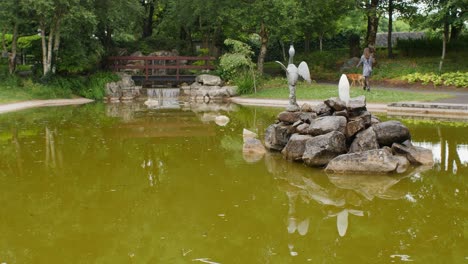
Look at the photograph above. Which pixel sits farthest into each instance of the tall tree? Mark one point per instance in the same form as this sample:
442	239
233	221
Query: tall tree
10	17
444	15
269	18
149	6
50	15
314	18
372	21
115	17
405	8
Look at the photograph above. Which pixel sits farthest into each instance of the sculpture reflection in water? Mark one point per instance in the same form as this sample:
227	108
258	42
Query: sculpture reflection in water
342	196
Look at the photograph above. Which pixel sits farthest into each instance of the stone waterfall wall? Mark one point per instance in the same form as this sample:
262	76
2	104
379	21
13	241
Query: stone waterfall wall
209	87
344	138
123	90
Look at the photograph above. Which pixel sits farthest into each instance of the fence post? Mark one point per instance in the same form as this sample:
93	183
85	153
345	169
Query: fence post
177	71
146	69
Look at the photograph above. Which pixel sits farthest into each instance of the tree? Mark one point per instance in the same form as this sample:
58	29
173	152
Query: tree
149	6
314	18
404	8
445	14
114	18
10	16
372	21
269	18
49	15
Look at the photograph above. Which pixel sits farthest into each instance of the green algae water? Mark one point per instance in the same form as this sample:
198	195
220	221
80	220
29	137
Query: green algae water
127	184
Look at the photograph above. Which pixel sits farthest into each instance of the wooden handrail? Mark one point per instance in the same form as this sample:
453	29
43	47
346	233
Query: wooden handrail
151	63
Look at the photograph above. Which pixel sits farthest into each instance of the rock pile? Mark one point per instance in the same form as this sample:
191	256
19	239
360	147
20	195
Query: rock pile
344	138
123	90
209	87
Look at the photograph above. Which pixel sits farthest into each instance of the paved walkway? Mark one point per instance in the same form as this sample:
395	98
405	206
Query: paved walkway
450	108
40	103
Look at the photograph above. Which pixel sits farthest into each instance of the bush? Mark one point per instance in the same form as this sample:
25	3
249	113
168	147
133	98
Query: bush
235	63
92	86
246	82
458	79
431	46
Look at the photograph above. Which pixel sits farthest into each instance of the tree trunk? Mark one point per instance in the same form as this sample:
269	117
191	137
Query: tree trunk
50	50
372	22
321	42
12	55
263	48
444	43
455	32
307	42
44	48
56	46
390	29
283	51
4	47
148	22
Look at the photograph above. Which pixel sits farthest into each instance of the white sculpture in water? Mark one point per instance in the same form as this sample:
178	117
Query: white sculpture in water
292	74
343	89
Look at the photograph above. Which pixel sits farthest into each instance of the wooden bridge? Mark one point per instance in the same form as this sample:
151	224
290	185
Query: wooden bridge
162	69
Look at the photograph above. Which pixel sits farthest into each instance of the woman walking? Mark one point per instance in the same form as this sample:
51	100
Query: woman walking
366	60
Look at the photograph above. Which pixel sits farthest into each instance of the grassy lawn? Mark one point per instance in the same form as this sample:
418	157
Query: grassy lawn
277	89
14	90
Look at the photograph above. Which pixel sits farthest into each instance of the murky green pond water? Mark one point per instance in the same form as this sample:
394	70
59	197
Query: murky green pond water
124	184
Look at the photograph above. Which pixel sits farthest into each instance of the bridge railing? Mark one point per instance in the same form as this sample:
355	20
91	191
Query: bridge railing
176	68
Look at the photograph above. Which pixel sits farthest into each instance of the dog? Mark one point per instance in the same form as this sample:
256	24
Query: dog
355	77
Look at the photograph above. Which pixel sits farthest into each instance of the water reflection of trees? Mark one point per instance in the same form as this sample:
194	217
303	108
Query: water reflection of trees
448	141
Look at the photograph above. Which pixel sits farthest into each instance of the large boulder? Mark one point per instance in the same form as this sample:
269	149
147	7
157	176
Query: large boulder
208	79
356	105
416	155
371	161
289	117
322	110
327	124
307	117
358	123
295	147
336	104
321	149
277	136
365	140
390	132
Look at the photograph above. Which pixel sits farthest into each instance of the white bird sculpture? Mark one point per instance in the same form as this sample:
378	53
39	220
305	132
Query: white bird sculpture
292	74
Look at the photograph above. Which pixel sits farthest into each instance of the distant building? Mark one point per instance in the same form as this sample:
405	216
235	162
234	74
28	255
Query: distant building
382	38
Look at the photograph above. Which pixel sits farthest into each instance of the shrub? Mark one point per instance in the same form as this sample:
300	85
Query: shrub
430	46
246	82
235	63
458	79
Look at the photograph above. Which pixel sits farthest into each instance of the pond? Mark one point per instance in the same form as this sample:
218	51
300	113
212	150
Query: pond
126	184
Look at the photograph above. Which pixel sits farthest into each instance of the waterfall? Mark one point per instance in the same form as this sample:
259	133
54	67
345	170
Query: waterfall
163	98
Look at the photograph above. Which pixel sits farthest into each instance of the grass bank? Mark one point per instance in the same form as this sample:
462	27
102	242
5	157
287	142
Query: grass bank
277	88
15	88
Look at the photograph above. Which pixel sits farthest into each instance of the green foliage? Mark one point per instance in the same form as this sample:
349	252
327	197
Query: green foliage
246	82
429	46
92	86
237	61
459	79
13	88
